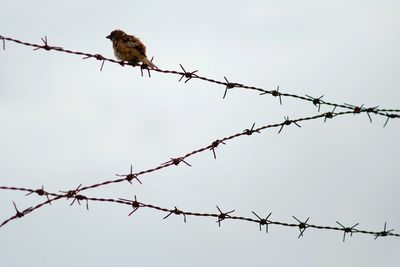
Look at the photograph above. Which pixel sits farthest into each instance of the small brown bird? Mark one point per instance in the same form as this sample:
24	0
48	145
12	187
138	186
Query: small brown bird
129	48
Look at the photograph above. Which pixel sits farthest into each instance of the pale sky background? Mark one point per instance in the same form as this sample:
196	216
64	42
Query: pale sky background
65	123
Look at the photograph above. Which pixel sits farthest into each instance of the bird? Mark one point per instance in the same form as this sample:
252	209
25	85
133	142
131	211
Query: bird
129	48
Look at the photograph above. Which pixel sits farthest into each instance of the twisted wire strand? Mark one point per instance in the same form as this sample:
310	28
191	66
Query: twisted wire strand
213	146
221	216
389	113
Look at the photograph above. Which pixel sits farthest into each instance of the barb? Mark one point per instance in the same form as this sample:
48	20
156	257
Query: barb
98	57
389	113
275	93
346	230
302	225
187	75
215	144
220	216
45	46
263	221
134	203
4	42
384	232
251	130
176	161
145	67
390	116
230	85
20	214
330	115
129	177
176	211
79	198
71	193
316	101
223	215
288	122
40	192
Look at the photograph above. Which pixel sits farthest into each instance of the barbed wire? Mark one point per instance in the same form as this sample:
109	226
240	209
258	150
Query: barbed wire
212	147
188	75
77	197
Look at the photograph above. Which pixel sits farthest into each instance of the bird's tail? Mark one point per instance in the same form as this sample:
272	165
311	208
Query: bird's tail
149	63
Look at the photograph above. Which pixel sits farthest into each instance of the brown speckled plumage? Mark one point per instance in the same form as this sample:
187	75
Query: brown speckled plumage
129	48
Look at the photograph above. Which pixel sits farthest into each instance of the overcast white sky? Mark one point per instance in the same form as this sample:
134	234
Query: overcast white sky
65	123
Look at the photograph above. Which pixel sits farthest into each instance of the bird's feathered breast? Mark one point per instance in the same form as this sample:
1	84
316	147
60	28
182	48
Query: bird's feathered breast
134	42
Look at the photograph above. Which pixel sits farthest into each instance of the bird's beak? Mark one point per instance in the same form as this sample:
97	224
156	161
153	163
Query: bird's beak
108	37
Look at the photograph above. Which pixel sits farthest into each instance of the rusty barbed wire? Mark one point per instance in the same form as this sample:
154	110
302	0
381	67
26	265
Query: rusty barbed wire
213	146
20	214
220	216
76	195
317	101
